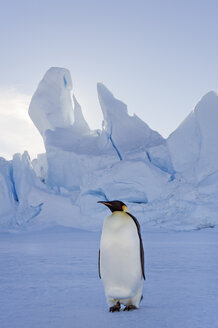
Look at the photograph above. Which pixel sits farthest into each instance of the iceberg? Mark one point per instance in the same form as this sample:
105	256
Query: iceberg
166	182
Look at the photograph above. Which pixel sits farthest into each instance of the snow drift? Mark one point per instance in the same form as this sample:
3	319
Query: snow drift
171	183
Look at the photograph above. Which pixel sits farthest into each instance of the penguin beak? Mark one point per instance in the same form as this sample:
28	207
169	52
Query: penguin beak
105	203
108	204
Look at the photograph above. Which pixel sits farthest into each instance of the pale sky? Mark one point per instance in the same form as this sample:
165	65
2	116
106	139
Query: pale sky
159	57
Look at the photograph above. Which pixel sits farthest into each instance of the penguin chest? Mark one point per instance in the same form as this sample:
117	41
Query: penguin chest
120	263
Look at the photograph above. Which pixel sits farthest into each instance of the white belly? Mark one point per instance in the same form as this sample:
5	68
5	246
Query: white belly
120	263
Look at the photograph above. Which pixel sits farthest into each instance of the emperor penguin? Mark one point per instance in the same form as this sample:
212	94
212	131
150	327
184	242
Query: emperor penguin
121	258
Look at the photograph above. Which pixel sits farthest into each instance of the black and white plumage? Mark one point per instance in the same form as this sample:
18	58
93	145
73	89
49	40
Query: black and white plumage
121	258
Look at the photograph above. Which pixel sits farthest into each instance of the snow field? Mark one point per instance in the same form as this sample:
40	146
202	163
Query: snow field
49	279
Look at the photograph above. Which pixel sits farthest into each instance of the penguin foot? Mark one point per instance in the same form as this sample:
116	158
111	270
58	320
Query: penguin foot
115	308
130	308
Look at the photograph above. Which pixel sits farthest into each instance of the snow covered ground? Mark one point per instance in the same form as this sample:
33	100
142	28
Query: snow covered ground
49	278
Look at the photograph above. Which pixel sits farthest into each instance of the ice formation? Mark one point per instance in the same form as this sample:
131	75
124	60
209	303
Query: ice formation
171	183
193	145
8	197
127	133
51	104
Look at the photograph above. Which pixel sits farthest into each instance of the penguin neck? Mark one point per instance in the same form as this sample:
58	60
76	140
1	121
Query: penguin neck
116	220
119	214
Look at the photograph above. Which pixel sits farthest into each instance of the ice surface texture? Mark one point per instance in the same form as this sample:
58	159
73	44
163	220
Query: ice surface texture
165	182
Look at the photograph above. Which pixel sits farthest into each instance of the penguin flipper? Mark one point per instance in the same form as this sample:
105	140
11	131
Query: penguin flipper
99	270
141	244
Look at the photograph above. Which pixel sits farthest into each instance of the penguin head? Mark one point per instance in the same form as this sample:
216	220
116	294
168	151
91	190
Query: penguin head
115	205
